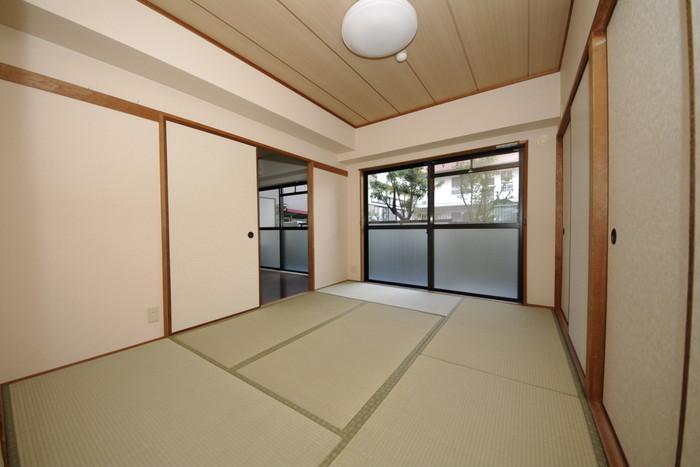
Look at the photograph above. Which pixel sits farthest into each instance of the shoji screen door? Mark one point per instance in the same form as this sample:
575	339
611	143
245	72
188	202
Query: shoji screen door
213	206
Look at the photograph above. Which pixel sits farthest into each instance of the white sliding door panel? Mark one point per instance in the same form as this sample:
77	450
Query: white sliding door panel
330	242
566	239
213	204
649	205
580	200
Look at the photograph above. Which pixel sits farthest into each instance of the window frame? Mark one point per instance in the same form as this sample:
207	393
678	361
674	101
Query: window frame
430	225
280	213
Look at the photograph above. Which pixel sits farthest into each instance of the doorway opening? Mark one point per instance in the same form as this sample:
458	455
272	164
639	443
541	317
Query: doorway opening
284	226
454	224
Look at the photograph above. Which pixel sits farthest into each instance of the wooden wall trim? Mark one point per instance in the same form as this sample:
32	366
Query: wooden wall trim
594	53
165	225
564	327
241	139
68	365
523	180
63	88
608	438
311	266
559	222
598	217
330	168
691	234
46	83
4	455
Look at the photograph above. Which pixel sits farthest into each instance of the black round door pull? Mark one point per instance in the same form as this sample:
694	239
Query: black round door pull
251	234
613	235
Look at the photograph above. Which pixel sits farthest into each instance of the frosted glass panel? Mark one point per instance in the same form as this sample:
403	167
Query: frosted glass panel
269	208
296	250
478	261
270	249
399	256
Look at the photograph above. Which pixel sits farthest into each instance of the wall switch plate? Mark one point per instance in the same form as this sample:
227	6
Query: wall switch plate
153	314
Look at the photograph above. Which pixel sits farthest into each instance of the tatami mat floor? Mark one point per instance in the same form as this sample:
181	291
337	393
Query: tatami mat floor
320	379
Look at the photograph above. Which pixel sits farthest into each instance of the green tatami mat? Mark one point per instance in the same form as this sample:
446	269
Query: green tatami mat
509	340
236	339
441	414
334	370
157	405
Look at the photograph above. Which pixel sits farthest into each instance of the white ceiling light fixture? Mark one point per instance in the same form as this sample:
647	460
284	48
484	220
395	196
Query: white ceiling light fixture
379	28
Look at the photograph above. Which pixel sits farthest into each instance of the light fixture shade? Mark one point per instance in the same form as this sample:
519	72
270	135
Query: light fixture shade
379	28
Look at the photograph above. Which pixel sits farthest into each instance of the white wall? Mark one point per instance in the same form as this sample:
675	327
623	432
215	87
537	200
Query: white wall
41	56
540	209
582	14
80	257
473	117
132	36
330	236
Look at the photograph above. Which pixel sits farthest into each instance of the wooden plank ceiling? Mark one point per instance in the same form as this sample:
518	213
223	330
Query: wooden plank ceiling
462	47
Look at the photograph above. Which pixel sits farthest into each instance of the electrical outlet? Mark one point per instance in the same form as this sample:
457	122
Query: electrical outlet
153	314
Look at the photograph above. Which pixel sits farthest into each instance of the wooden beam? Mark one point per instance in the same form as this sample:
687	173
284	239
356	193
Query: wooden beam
165	225
559	221
311	266
598	217
63	88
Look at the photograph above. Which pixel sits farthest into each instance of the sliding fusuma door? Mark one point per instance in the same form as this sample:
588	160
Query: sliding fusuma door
452	224
213	216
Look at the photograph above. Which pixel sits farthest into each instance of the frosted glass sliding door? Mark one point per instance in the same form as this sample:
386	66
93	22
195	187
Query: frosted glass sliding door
296	250
399	256
453	224
284	235
478	261
270	249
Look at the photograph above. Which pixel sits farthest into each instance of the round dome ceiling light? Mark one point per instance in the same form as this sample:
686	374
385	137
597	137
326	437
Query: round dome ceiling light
379	28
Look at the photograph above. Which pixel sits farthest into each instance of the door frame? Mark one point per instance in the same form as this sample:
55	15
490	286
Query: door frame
429	163
281	229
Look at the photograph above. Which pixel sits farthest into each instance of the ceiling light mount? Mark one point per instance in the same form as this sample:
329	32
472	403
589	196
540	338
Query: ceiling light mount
379	28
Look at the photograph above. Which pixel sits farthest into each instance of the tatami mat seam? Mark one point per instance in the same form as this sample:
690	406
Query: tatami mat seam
592	430
292	339
265	390
297	408
461	365
233	370
387	304
361	417
9	424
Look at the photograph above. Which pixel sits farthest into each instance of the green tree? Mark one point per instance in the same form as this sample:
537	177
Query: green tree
478	193
401	191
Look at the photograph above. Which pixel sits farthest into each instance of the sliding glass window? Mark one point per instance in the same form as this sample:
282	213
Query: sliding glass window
451	224
284	228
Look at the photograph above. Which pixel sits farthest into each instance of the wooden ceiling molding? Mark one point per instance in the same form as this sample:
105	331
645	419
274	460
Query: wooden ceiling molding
461	48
